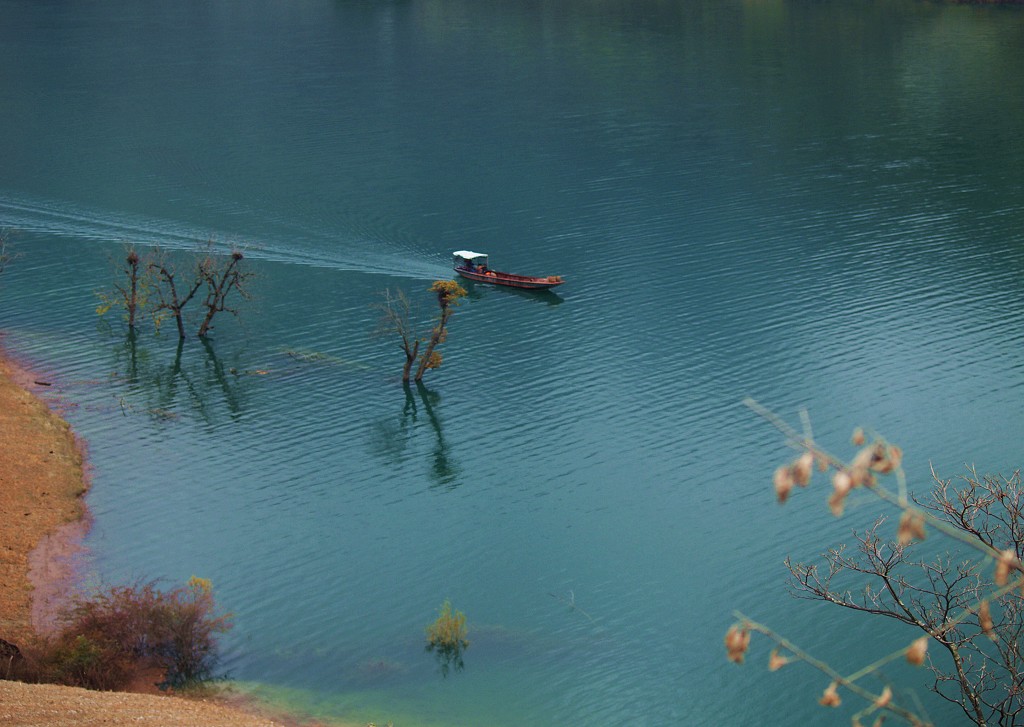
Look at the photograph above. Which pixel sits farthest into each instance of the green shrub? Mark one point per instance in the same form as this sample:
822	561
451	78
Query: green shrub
89	662
447	637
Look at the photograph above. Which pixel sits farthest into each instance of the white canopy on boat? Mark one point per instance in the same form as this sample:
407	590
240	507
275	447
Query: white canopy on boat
468	255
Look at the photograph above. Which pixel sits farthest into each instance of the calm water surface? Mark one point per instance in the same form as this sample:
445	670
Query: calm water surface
817	204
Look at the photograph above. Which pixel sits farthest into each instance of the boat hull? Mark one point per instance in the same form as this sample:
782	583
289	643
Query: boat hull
525	282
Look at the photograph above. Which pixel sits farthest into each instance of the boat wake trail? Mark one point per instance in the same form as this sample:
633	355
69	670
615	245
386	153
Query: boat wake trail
318	248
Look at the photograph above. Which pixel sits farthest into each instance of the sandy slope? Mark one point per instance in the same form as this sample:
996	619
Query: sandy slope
25	705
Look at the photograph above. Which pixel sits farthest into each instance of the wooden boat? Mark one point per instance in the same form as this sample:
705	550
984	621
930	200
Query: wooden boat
473	266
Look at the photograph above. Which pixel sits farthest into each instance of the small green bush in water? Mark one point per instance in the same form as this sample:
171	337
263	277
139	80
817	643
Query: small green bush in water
446	637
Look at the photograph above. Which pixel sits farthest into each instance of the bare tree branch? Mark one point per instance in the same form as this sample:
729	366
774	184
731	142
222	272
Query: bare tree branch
964	600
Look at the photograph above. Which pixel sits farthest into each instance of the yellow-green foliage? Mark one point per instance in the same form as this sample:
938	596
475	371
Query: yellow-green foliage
448	292
435	360
133	291
448	632
202	588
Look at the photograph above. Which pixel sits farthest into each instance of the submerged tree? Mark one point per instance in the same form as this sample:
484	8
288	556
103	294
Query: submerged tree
153	286
397	317
970	608
5	255
449	294
172	299
222	277
132	287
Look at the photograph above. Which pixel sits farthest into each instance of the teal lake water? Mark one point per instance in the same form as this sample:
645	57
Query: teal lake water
815	204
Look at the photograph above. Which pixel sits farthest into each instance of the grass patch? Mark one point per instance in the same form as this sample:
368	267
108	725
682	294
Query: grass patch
446	637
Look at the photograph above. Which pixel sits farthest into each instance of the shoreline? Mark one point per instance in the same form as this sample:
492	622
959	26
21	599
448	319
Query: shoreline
43	481
54	563
44	519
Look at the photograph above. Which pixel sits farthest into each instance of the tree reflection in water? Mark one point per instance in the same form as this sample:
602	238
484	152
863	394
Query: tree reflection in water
443	470
391	440
194	382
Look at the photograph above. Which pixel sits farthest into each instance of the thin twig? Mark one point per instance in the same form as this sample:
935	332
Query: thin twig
843	681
